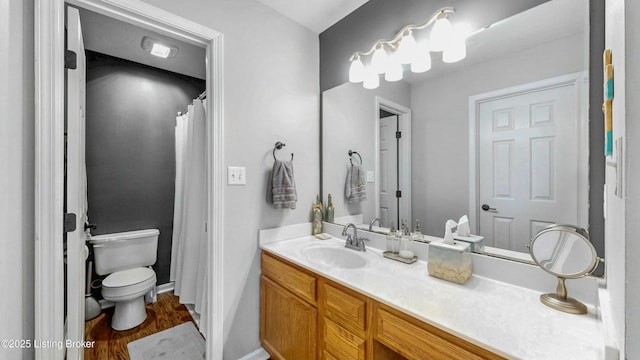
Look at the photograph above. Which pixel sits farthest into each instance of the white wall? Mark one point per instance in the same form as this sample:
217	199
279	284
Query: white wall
633	176
16	174
440	123
615	207
271	94
349	121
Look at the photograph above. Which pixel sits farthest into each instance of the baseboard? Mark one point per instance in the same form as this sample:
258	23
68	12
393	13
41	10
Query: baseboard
260	354
160	289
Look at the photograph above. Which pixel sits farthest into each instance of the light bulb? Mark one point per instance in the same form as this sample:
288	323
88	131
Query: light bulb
441	33
406	48
422	60
379	59
371	79
455	50
394	69
356	70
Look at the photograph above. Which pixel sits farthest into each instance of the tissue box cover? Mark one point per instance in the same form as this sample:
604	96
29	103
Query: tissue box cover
450	262
476	241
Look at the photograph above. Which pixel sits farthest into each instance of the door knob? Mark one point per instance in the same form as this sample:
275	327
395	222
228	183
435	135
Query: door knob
486	207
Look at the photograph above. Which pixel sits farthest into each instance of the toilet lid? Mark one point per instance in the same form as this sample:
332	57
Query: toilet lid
128	277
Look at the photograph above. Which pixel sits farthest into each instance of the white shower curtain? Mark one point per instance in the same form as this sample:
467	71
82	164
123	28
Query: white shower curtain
189	244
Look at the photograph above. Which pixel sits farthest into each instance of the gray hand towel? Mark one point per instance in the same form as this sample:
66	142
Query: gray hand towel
355	187
283	185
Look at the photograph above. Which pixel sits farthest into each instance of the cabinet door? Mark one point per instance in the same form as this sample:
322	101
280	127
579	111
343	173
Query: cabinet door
287	324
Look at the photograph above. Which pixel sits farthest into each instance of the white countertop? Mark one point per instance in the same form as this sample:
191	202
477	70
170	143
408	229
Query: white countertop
506	319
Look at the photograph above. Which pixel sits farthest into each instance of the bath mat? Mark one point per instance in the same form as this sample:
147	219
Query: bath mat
182	342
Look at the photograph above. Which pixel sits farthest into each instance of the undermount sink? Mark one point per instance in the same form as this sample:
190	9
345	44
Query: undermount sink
337	256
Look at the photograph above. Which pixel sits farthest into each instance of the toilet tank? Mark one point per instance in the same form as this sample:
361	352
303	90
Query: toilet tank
125	250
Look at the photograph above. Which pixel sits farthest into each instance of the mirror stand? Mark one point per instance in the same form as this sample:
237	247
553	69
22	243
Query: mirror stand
560	300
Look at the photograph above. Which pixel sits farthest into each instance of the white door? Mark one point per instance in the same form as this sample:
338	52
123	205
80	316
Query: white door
76	185
388	171
528	164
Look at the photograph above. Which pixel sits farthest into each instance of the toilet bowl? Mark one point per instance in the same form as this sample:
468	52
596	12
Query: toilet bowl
126	258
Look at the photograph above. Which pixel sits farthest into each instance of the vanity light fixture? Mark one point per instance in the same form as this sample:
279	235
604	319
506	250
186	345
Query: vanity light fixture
405	50
157	48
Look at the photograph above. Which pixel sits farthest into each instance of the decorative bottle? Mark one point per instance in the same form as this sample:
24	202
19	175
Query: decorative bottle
329	212
316	224
319	204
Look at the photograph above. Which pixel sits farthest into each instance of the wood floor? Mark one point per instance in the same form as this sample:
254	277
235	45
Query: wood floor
110	344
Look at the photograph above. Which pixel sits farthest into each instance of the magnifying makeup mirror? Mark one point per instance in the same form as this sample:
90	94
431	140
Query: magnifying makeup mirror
566	252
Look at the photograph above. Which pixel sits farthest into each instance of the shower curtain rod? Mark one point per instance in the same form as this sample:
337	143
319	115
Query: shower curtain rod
200	97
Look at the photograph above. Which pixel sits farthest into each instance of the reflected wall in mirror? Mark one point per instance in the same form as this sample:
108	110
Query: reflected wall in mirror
507	128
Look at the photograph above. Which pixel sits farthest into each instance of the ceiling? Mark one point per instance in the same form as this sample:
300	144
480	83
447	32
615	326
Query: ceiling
113	37
317	15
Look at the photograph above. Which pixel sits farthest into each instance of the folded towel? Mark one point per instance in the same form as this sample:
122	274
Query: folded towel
355	187
283	185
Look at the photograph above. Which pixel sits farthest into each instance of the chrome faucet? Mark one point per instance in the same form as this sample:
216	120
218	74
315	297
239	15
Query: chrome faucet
373	221
353	242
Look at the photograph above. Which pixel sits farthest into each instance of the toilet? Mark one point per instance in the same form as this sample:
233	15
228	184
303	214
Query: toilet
126	258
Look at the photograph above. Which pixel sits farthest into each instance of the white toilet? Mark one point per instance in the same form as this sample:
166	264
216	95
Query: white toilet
126	257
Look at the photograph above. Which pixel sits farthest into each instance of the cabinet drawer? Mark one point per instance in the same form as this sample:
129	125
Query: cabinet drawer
340	343
416	340
343	306
293	279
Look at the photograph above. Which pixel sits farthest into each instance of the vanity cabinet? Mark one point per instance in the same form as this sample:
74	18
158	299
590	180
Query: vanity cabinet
288	316
342	330
306	316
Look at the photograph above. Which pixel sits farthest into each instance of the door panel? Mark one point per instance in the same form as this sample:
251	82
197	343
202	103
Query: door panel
528	164
388	171
76	184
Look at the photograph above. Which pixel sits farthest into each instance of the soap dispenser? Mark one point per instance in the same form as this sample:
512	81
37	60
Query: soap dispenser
391	238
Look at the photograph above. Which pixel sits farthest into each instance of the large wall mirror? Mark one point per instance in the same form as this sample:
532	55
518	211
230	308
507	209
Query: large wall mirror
502	136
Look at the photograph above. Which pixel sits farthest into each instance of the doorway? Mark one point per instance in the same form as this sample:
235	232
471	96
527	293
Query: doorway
49	55
393	163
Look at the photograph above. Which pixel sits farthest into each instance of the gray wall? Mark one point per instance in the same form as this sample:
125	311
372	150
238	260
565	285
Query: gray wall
270	94
131	110
380	19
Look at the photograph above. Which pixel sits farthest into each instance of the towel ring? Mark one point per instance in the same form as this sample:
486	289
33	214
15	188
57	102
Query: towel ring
279	146
351	152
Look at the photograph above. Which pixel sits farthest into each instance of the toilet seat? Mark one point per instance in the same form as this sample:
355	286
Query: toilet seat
129	282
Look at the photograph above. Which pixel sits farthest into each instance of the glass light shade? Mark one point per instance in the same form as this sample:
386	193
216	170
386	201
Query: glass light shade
356	71
379	60
455	50
406	48
394	69
422	59
371	79
441	33
421	64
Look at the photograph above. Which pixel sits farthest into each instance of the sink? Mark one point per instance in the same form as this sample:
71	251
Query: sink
337	256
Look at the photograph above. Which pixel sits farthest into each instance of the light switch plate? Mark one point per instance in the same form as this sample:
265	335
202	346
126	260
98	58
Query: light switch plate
236	175
371	177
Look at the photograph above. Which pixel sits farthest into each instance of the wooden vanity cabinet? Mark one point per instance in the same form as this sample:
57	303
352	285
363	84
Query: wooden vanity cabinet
288	316
342	322
305	316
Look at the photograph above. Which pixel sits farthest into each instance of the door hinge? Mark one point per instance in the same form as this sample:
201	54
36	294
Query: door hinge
398	193
70	60
69	222
398	134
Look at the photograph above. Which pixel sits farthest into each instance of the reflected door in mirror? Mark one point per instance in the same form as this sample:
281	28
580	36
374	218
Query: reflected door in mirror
528	164
388	171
